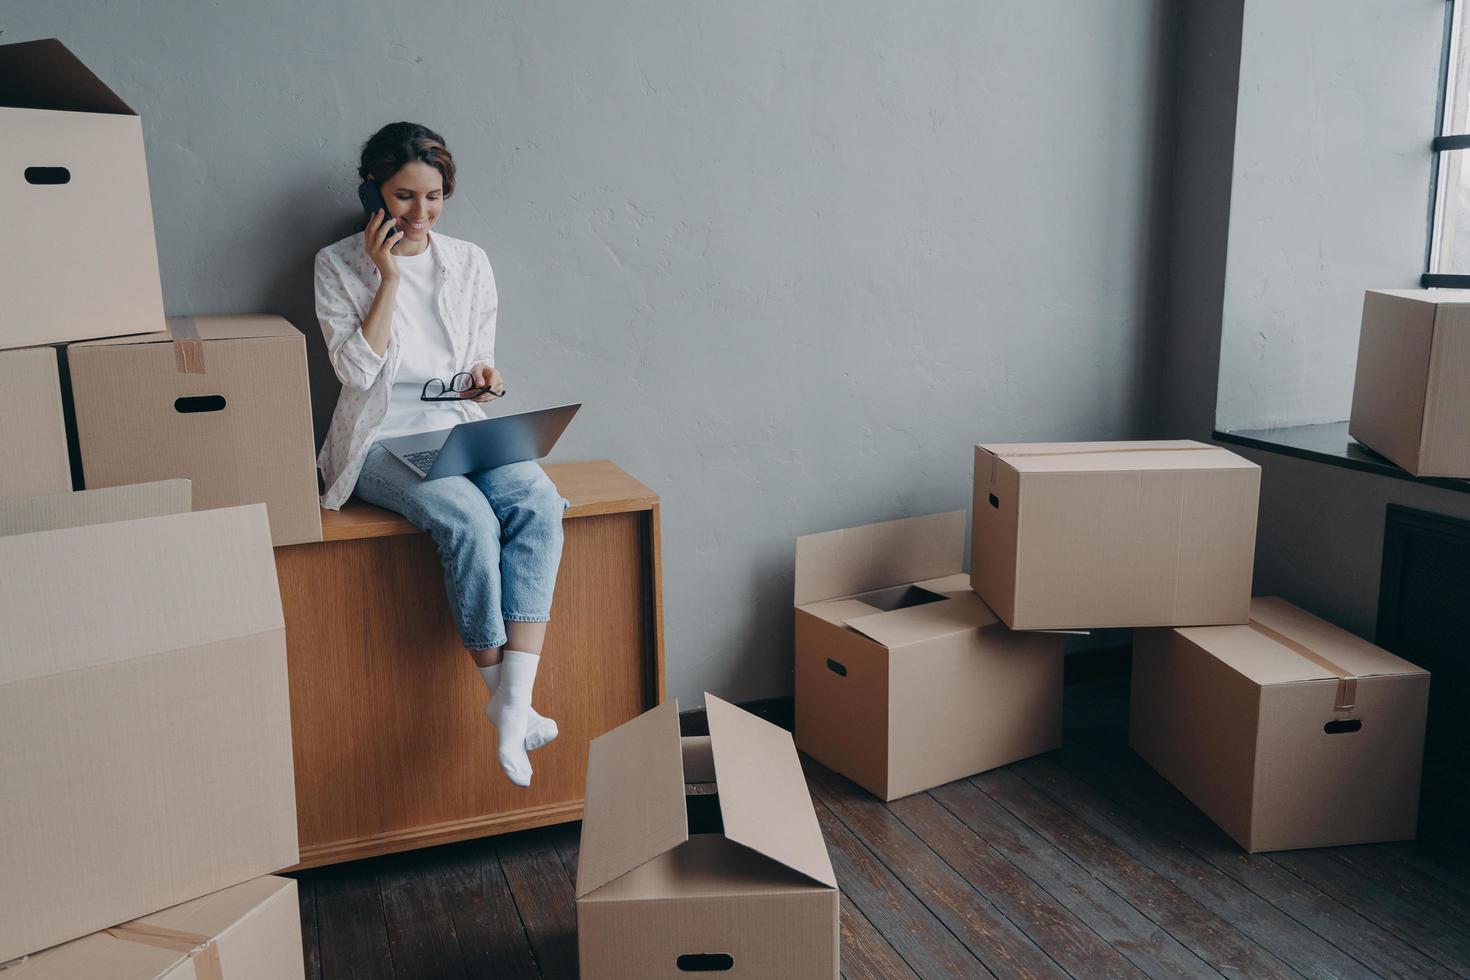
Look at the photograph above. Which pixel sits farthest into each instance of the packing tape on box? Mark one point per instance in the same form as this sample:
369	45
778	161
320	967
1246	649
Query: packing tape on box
1347	682
996	457
202	949
188	345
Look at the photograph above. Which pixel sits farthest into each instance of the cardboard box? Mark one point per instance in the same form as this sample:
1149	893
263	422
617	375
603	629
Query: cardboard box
1288	732
251	931
32	427
82	507
904	678
1411	398
75	180
1083	535
220	400
145	720
702	854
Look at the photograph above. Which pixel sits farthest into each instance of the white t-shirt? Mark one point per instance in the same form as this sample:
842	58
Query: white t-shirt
424	351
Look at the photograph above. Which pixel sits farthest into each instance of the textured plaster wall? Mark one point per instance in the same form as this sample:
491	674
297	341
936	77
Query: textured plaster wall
794	257
1330	195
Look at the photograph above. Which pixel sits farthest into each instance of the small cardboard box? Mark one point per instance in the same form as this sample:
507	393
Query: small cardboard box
904	679
220	400
145	719
1084	535
32	427
702	854
78	259
1287	732
251	931
1411	398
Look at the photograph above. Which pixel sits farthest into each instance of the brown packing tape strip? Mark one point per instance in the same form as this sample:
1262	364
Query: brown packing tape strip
996	457
1347	682
188	345
202	949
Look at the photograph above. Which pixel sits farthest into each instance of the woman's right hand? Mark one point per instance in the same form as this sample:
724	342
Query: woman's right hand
379	238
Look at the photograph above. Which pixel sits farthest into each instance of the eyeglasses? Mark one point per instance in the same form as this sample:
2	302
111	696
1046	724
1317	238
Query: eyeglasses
461	386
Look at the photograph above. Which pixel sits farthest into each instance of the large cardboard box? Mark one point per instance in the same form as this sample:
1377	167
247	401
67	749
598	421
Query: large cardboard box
145	720
220	400
78	258
702	854
904	678
1411	398
1081	535
1288	732
251	931
33	453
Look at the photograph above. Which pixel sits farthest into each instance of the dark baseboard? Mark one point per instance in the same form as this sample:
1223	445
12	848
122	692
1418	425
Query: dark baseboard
1085	665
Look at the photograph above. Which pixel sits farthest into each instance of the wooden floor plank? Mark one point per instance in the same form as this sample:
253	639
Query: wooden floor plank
350	924
1139	939
418	916
1127	780
866	955
1197	926
925	944
993	938
545	898
492	941
311	949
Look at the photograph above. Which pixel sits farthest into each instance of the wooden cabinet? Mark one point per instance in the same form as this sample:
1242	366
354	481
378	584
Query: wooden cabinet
392	747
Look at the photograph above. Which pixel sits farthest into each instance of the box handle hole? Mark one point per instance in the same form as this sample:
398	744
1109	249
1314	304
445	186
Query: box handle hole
48	175
836	668
199	403
706	962
995	501
1342	725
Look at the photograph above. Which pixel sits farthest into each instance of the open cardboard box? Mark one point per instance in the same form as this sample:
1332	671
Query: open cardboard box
702	855
905	679
220	400
74	177
250	931
1287	732
1087	535
144	714
1411	397
32	424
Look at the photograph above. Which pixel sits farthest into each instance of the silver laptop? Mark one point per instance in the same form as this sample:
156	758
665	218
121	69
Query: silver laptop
483	445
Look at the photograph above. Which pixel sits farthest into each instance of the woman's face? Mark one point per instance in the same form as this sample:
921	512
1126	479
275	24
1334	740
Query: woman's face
415	197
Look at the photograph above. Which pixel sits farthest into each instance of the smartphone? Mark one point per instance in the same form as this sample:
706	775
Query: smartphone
372	199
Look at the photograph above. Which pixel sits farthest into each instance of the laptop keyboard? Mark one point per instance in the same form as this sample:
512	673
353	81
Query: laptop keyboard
423	460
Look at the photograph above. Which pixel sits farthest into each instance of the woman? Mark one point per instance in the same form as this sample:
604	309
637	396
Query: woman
400	306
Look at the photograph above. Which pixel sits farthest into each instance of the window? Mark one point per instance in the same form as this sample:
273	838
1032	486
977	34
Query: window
1449	241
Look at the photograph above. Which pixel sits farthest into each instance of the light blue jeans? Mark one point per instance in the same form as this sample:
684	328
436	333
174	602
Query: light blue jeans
498	533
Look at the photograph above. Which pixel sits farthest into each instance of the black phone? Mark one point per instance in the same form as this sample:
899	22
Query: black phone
372	199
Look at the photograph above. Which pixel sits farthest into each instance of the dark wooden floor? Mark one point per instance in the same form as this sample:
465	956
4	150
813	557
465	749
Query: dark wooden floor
1082	862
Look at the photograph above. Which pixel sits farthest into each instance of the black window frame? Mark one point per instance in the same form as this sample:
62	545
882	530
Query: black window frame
1443	143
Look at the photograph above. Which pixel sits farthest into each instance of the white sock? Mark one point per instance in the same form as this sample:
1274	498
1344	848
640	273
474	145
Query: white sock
539	730
509	710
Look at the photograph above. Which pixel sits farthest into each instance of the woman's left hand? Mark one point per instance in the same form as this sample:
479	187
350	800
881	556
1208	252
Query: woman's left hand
484	375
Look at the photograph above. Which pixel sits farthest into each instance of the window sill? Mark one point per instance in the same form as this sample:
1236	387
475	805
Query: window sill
1329	443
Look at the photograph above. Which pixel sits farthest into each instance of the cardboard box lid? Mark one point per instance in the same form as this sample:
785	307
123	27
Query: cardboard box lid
1102	457
633	807
45	75
960	611
861	559
764	800
82	507
152	946
1254	652
85	596
205	328
1438	297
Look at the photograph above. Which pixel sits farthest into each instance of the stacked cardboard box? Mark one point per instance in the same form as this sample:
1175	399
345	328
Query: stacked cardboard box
222	401
144	713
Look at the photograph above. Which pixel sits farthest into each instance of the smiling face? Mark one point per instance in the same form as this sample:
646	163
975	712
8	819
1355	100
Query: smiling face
415	198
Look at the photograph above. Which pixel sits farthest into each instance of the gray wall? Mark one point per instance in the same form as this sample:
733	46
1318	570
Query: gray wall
1320	539
795	258
1330	195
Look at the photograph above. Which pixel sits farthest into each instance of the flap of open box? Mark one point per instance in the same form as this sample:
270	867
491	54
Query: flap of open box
955	609
46	75
876	556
